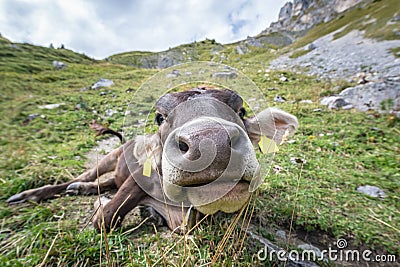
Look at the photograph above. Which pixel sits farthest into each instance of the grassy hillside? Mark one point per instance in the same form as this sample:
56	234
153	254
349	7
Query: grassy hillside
206	50
317	200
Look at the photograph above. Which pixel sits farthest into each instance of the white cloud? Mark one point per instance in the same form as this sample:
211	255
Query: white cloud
102	28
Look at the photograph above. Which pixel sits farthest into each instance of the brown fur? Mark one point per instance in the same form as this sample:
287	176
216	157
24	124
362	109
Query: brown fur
127	163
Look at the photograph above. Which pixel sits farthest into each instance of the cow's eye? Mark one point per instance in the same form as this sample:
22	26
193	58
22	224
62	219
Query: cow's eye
242	113
159	119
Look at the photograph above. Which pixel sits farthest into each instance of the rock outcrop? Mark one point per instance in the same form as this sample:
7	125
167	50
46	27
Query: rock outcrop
300	15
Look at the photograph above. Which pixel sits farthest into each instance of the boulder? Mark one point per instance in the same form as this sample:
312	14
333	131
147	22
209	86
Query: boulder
334	102
173	74
311	47
51	106
102	83
59	65
372	191
225	75
279	99
381	96
251	41
283	79
239	50
110	112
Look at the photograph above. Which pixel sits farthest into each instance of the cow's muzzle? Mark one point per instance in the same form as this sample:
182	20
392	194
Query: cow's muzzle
207	160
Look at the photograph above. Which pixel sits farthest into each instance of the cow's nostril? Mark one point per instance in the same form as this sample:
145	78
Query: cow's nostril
183	147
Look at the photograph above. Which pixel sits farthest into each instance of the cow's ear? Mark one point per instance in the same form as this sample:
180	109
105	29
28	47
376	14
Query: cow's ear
271	122
148	146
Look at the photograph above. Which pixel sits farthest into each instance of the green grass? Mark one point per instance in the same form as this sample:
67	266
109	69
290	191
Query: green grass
396	51
299	53
342	150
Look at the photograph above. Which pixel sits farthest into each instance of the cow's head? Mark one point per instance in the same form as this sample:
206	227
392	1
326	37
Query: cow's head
204	147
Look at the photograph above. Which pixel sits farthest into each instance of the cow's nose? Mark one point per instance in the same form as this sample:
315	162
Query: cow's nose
193	143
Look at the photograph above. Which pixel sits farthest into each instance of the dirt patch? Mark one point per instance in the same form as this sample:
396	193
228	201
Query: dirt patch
104	146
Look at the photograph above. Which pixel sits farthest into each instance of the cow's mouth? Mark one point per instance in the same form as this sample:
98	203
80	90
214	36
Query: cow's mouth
232	197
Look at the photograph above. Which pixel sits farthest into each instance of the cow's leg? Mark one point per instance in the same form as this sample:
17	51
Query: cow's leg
92	187
179	219
105	165
111	215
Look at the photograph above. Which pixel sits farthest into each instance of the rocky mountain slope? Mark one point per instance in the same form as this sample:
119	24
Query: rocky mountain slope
301	15
360	46
296	20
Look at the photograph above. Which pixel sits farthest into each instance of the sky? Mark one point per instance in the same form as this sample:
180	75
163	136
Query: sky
100	28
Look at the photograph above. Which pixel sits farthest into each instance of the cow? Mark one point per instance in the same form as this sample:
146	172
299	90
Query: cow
201	158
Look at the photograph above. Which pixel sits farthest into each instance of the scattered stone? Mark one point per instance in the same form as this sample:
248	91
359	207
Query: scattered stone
29	119
372	191
347	107
362	78
239	50
279	99
311	47
110	112
272	89
307	101
281	234
225	75
173	74
102	83
344	57
333	102
51	106
277	169
291	141
129	90
298	160
283	79
59	65
317	110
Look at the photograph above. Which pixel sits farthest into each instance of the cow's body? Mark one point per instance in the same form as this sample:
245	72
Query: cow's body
202	156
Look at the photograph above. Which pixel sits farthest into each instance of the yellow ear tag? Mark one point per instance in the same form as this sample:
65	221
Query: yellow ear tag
147	167
267	145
